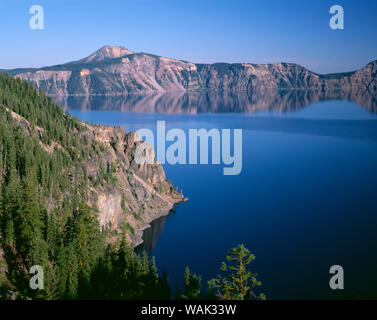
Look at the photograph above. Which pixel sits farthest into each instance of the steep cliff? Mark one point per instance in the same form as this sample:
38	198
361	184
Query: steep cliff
132	194
141	192
98	160
72	200
117	70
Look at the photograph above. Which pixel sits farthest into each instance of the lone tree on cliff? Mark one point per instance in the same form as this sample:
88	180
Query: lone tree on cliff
237	283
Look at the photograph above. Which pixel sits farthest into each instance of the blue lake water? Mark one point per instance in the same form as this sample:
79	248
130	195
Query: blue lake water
304	201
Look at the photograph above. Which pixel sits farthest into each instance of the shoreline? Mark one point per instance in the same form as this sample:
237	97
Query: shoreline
140	232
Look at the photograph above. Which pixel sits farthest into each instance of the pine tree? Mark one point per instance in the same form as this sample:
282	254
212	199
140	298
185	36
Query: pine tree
238	283
52	232
191	286
28	222
9	206
61	271
72	267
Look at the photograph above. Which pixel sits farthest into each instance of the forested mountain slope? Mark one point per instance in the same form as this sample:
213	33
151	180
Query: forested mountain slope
73	200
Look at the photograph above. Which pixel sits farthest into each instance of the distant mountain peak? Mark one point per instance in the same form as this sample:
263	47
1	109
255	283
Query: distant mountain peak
125	72
107	52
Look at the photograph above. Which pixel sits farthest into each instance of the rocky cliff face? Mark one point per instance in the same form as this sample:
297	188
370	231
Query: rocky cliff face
141	192
133	196
117	70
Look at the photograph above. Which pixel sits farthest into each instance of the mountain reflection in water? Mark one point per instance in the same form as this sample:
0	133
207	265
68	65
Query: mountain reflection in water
305	199
215	101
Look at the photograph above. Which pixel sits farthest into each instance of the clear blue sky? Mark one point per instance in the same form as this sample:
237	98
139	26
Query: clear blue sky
256	31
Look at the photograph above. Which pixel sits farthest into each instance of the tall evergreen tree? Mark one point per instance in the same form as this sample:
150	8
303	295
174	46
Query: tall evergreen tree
28	220
238	283
192	286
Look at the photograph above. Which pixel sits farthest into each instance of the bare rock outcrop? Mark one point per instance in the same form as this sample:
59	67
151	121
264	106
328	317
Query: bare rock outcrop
141	192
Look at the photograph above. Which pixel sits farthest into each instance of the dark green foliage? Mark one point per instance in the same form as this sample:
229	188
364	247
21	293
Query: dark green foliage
192	286
131	229
44	216
122	274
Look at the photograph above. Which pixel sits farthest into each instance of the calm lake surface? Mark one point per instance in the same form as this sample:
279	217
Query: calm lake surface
306	198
